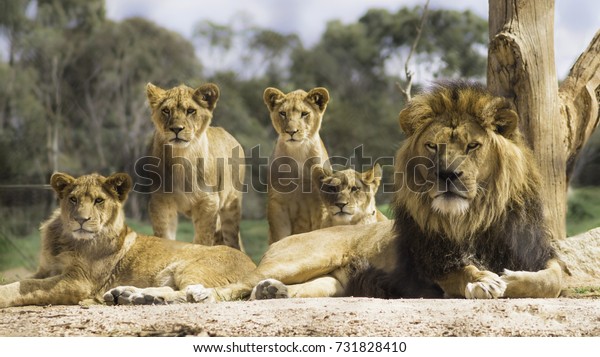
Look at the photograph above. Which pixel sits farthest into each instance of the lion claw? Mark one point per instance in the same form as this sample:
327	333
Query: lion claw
490	286
198	293
130	295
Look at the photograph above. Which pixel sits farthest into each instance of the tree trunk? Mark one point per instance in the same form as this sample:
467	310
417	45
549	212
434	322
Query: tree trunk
556	122
521	66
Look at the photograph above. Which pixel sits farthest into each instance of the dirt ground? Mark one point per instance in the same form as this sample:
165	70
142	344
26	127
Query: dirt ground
314	317
575	315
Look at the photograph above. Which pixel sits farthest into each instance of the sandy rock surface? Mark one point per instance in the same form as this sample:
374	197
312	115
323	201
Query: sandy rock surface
314	317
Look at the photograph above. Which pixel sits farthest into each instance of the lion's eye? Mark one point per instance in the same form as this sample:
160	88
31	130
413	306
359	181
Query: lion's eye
282	115
330	189
431	146
98	200
473	146
73	199
166	111
354	188
304	114
191	111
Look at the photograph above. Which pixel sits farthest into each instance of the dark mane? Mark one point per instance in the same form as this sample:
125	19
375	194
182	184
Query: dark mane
514	234
518	242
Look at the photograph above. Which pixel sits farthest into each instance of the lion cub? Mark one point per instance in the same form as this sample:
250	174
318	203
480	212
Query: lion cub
201	166
293	206
349	195
87	249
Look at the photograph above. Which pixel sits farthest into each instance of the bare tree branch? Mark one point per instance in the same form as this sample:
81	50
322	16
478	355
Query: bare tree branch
579	95
409	74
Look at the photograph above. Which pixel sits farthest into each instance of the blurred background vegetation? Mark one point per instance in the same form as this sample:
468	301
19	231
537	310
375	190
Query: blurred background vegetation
72	98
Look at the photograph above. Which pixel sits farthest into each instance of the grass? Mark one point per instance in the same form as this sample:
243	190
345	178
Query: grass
585	290
583	211
592	292
583	214
21	252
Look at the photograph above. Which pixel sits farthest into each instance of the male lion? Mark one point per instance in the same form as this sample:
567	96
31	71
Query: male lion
349	196
87	248
201	166
293	206
469	208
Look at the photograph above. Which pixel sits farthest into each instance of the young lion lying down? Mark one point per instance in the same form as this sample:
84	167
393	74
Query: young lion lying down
87	248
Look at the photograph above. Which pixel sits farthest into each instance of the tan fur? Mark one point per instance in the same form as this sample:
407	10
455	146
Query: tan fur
316	264
313	264
320	263
206	185
349	196
293	207
87	249
483	164
469	126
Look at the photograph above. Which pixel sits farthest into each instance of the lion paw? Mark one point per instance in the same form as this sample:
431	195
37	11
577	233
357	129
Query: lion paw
130	295
488	286
198	293
269	289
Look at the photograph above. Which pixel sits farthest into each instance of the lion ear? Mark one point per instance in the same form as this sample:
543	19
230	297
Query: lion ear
320	97
59	182
373	176
208	95
271	97
318	174
119	184
500	116
154	94
412	117
506	122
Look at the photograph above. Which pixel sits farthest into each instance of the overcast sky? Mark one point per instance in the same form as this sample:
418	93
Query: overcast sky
576	21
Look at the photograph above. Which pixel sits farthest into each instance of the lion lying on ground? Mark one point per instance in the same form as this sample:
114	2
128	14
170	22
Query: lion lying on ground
87	248
374	245
348	195
468	209
309	270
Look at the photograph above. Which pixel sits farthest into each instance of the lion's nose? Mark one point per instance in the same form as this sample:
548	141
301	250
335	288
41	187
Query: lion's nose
449	175
292	132
341	205
82	220
176	129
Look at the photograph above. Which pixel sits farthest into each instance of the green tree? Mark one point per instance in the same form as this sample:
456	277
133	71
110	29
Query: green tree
360	63
78	80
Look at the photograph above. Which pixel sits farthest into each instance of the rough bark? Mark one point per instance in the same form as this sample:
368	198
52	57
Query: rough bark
521	67
556	122
579	96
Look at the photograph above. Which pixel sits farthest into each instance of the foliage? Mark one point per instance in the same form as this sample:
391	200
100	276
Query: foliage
583	211
72	85
586	167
